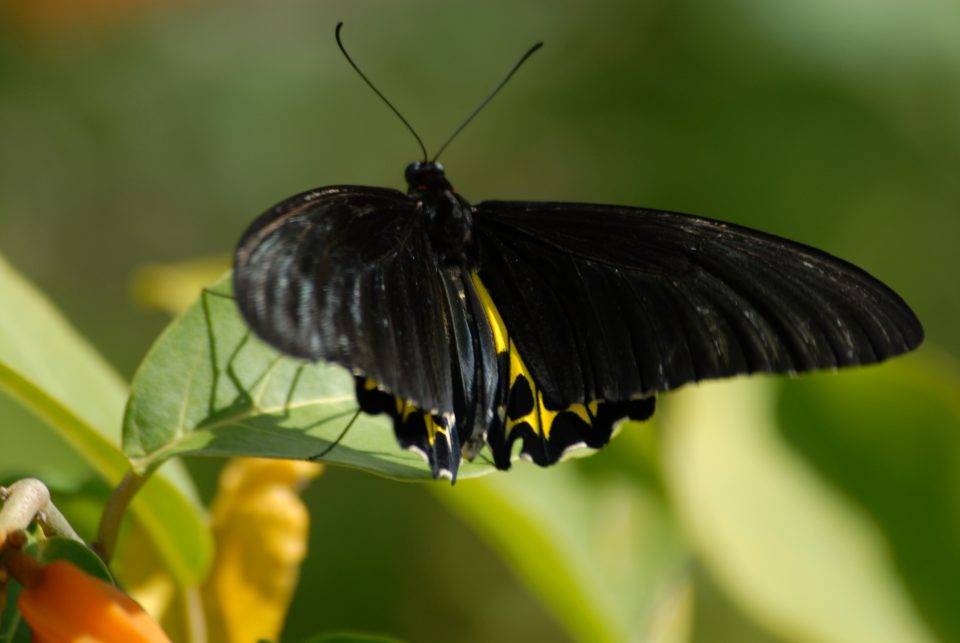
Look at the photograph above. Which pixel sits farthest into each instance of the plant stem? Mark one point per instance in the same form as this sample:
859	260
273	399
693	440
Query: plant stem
27	500
113	513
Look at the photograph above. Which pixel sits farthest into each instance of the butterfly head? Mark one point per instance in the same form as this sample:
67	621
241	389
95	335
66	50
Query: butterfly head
426	176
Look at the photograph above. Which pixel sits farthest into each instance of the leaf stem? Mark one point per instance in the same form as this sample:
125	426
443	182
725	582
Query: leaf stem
113	513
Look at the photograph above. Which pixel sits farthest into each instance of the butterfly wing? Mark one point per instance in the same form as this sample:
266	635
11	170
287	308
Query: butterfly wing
346	274
611	303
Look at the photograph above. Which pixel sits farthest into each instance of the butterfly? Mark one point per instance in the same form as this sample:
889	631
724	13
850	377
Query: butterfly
542	323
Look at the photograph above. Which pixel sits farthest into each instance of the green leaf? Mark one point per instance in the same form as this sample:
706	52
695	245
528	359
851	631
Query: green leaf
44	361
46	367
208	387
794	553
889	438
717	618
595	541
31	450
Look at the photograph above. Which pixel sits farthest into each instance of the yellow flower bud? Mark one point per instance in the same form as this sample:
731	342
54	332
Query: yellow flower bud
260	529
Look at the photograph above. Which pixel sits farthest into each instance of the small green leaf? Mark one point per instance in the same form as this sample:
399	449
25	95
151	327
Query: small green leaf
48	368
791	550
75	552
208	387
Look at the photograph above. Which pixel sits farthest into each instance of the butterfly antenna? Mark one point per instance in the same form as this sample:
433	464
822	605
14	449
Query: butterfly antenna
486	100
378	92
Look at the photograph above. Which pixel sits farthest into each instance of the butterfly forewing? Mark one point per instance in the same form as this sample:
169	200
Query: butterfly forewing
608	303
347	275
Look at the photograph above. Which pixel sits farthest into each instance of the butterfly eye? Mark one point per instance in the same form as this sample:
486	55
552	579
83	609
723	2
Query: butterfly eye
412	172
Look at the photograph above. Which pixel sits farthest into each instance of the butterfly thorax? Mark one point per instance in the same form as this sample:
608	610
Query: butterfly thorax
449	216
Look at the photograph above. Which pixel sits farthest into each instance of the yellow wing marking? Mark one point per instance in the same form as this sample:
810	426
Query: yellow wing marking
406	409
540	418
433	429
497	326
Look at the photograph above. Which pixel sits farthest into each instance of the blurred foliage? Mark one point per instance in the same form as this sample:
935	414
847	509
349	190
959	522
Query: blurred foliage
47	368
823	509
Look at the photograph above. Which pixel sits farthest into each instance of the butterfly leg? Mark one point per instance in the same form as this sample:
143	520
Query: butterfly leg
340	437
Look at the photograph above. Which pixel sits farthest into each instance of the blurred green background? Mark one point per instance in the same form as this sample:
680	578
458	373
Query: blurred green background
133	133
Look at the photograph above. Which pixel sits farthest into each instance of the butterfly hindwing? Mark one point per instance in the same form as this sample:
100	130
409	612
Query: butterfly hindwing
547	432
611	303
432	436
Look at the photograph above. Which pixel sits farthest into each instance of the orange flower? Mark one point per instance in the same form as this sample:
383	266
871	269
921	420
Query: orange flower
63	604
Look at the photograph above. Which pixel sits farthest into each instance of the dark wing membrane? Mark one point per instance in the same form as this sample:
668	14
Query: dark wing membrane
607	303
346	274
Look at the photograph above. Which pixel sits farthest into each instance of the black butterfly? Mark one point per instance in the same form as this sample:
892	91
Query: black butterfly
542	322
